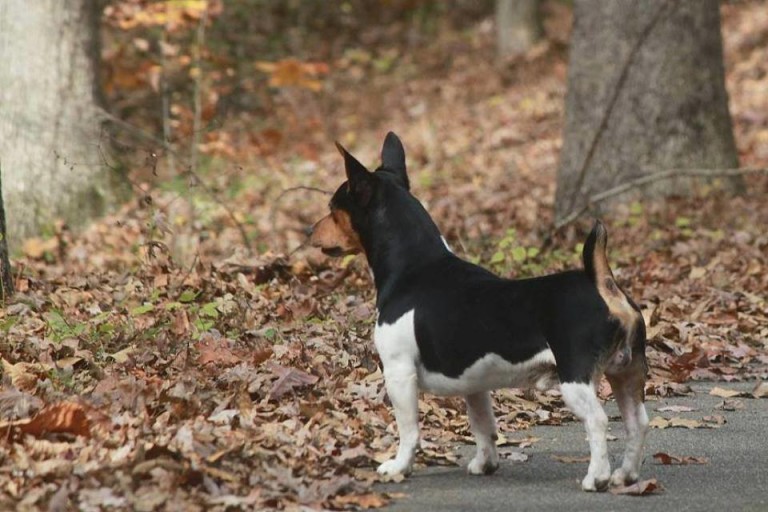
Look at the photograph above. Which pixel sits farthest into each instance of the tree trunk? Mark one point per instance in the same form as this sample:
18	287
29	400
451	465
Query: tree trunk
6	277
646	92
50	135
518	26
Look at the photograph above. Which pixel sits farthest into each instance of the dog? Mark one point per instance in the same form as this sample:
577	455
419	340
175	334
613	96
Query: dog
449	327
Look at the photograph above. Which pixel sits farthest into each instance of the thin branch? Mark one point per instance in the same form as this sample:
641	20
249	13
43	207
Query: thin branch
582	172
652	178
273	212
230	213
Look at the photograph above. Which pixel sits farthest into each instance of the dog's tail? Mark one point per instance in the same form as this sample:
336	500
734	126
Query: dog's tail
620	306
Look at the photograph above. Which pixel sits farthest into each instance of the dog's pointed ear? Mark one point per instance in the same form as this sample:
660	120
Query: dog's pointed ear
393	158
359	179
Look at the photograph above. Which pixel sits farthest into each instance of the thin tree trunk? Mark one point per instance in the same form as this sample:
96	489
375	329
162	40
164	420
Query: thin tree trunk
50	134
518	26
646	92
6	277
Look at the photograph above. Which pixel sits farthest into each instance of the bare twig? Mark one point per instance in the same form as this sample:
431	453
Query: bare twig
652	178
273	212
223	204
582	172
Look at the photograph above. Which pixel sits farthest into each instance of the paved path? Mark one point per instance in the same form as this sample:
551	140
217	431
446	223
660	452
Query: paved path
736	479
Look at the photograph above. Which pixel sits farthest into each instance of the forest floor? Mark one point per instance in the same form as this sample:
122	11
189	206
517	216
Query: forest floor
190	352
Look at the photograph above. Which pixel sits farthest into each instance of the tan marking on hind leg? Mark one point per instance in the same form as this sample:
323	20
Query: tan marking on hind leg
629	390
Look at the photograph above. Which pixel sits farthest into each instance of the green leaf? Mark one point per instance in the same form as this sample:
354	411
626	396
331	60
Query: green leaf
682	222
143	309
188	296
209	310
497	257
533	252
519	254
172	306
636	208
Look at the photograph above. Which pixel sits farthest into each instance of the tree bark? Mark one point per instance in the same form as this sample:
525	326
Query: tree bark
50	133
646	92
518	26
6	277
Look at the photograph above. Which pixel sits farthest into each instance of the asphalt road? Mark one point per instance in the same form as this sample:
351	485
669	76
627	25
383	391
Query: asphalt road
735	479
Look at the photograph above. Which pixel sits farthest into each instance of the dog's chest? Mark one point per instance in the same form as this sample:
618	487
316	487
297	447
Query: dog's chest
399	352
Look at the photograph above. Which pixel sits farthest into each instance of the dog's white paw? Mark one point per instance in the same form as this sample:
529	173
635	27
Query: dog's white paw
622	476
597	480
482	465
394	467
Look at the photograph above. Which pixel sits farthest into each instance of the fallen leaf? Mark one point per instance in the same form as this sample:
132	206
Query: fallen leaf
685	423
676	408
714	421
727	393
761	390
289	378
668	460
730	405
514	456
363	501
642	488
24	376
61	418
571	460
502	440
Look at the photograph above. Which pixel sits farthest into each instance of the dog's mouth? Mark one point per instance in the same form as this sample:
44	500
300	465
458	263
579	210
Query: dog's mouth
334	252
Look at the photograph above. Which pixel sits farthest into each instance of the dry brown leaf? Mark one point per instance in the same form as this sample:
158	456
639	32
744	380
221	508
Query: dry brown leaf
642	488
727	393
288	379
24	376
363	501
61	418
676	408
685	423
667	459
571	460
761	390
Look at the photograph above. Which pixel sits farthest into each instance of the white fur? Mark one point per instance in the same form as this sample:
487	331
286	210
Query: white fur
489	372
396	344
583	401
404	375
483	425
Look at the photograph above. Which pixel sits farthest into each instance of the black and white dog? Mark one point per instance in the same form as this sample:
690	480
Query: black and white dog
449	327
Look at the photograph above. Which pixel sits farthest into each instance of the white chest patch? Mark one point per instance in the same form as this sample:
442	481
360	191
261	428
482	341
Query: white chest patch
396	344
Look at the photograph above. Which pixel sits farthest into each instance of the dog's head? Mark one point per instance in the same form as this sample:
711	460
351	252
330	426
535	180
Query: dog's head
342	231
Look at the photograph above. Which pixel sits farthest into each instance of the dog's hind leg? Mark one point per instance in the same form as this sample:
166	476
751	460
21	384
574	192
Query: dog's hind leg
628	389
582	400
483	426
402	389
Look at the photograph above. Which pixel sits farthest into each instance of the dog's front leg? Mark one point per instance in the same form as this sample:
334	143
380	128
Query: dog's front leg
403	391
483	426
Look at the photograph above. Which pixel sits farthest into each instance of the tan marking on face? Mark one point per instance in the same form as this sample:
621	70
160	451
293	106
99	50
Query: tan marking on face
334	231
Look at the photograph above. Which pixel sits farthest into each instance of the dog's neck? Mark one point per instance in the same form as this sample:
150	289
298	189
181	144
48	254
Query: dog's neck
402	239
